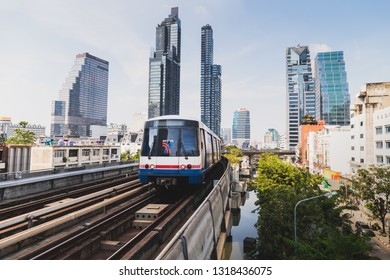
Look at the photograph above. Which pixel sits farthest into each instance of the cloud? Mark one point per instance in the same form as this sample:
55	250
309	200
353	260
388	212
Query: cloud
316	48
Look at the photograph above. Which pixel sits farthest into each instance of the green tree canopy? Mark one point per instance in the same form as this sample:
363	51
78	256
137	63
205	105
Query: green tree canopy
126	156
322	232
234	154
373	186
22	135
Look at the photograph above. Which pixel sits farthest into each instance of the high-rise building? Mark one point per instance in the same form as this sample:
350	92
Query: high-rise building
82	102
274	134
241	129
331	89
164	68
227	135
300	91
210	83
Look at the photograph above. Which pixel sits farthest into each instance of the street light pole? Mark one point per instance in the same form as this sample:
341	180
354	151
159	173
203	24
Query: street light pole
295	213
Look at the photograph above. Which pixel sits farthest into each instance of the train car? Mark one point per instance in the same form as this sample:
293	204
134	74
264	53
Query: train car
177	151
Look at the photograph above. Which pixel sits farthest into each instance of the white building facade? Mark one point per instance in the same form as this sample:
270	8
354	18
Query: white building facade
329	149
370	128
381	124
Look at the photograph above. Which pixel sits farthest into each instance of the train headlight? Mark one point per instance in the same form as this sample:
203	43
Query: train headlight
152	166
189	166
183	166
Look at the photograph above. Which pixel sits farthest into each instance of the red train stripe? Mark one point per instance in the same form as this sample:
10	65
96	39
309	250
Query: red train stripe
170	166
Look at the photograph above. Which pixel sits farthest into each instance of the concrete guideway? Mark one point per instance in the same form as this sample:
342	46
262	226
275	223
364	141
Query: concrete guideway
28	186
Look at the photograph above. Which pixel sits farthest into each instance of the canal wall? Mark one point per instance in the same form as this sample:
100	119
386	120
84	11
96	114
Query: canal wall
203	235
28	186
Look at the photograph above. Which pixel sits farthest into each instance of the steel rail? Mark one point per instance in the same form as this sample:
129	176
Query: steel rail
18	237
25	217
122	253
93	230
59	194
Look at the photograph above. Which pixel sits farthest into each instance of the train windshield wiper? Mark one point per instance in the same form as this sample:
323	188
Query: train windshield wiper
184	149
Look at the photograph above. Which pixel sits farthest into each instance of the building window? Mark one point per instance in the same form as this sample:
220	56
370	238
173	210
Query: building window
362	160
352	148
379	159
361	148
73	153
59	153
361	123
387	144
353	159
378	130
387	128
379	144
387	160
352	137
352	125
361	135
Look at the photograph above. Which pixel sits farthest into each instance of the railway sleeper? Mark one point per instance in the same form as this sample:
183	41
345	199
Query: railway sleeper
114	231
83	251
144	249
32	247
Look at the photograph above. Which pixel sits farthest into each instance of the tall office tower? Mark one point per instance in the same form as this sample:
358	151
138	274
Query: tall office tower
82	103
164	68
241	129
300	91
210	83
331	89
274	134
227	135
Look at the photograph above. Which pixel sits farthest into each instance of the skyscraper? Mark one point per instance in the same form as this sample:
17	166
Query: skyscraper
331	89
82	100
164	68
241	129
300	91
210	83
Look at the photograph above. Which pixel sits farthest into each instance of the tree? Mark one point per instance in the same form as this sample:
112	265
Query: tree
136	156
22	135
323	233
234	154
125	156
373	186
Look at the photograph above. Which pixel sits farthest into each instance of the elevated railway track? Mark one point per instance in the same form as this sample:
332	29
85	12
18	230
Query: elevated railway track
96	221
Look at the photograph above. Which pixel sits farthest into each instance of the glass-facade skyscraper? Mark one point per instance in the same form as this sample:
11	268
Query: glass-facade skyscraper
164	68
300	91
241	129
210	83
82	100
331	88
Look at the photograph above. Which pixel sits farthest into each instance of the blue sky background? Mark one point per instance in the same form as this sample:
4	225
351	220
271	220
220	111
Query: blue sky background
40	39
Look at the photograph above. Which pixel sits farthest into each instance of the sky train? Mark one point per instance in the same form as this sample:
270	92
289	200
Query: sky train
177	151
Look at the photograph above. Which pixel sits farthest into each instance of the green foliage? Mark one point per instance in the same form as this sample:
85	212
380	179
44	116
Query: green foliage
234	154
320	227
373	186
22	135
136	156
126	156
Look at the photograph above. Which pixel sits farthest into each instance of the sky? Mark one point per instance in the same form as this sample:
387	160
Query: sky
40	39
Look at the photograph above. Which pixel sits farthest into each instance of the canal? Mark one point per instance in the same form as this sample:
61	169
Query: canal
243	226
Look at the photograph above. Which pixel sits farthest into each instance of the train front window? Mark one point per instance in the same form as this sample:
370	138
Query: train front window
170	142
189	142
